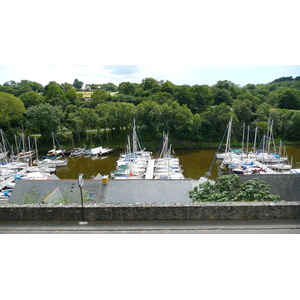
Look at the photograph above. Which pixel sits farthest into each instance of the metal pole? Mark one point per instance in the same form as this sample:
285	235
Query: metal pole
80	183
82	210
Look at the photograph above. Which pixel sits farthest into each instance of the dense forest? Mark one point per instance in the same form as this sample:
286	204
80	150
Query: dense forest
103	113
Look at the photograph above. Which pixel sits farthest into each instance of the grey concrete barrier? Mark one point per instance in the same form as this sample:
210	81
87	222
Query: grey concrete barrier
152	211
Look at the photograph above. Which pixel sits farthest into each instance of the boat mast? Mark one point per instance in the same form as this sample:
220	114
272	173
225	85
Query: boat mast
16	145
263	152
23	140
29	148
4	148
134	138
270	136
228	137
54	147
255	135
36	150
243	138
280	149
269	120
248	139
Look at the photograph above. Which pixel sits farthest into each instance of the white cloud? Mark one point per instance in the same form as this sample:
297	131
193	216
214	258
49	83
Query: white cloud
177	73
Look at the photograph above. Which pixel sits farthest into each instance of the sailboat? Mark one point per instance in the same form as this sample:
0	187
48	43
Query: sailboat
231	153
167	166
53	161
3	152
265	155
133	162
54	151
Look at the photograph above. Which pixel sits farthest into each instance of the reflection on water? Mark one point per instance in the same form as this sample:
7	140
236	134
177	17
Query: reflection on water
195	164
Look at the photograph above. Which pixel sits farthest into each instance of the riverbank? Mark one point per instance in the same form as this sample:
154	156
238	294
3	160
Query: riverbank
119	143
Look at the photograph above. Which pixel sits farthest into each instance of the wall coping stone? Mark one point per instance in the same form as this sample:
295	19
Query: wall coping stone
158	204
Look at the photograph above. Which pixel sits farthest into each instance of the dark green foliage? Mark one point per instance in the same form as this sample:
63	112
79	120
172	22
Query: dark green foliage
109	87
198	113
228	188
43	119
11	110
18	88
289	99
31	99
77	84
55	95
126	88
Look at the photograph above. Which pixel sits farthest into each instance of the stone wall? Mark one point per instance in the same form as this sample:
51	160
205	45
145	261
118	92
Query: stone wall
155	211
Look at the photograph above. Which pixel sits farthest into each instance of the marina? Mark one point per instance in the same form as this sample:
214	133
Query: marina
195	163
138	163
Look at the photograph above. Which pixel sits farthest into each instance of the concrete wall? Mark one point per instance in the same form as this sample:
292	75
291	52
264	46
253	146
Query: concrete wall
287	186
155	211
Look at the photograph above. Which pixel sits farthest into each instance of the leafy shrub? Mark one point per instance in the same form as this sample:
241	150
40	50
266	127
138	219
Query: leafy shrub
228	188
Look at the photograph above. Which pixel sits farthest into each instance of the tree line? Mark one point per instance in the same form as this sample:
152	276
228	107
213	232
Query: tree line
198	113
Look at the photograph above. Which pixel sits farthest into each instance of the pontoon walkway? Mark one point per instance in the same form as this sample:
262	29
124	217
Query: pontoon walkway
150	169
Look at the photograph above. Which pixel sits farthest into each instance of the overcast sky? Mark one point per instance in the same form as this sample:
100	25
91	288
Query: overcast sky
177	74
186	42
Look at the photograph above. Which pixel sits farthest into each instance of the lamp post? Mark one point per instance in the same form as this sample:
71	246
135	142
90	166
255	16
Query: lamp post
80	183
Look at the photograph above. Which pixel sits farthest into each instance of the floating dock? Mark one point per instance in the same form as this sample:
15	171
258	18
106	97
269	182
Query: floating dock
150	169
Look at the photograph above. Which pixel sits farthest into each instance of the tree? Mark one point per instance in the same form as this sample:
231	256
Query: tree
182	118
281	79
222	96
117	115
215	120
231	87
150	86
67	86
109	87
167	87
17	89
295	125
289	99
31	99
11	109
98	96
243	111
150	115
161	97
55	95
203	97
92	86
34	86
126	88
184	95
82	119
72	95
44	119
228	188
263	112
77	84
285	124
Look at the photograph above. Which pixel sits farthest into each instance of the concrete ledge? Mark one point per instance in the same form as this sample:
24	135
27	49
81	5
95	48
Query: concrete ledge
152	211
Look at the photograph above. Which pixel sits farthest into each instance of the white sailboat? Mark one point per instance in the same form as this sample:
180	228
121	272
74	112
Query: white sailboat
229	152
167	166
133	162
53	162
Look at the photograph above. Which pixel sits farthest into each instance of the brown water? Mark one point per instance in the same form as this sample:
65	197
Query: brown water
195	164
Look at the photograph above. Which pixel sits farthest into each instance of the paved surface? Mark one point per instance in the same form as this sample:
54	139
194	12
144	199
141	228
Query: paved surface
154	227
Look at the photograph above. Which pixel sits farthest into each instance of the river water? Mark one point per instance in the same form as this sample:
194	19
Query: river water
195	163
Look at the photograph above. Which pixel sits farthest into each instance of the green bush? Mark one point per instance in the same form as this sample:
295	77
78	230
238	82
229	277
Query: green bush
228	188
